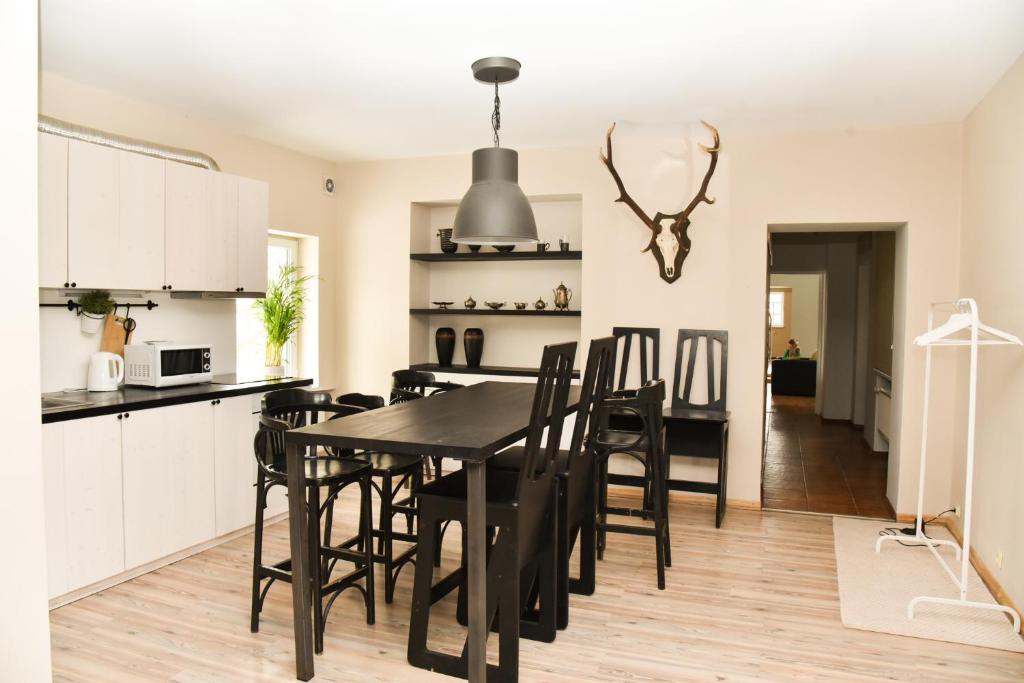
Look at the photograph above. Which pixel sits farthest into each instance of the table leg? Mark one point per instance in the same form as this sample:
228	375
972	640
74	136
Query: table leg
298	532
476	528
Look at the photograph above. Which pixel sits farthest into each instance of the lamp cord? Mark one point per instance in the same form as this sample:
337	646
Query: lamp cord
496	116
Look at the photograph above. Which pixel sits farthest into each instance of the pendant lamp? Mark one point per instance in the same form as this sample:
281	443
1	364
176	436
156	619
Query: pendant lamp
494	210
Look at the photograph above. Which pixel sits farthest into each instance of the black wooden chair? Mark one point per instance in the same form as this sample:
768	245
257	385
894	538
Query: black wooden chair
394	471
645	444
334	473
576	475
406	382
700	428
521	506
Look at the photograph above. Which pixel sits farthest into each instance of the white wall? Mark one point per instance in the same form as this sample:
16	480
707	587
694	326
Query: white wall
907	175
65	349
992	247
24	625
803	320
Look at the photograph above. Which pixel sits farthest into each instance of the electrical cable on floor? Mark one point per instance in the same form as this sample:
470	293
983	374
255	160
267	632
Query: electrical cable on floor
912	531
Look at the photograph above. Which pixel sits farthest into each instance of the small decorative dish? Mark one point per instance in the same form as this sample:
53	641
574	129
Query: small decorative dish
443	305
520	305
494	305
475	247
505	248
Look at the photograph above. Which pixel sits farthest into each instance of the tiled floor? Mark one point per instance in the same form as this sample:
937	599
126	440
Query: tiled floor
817	466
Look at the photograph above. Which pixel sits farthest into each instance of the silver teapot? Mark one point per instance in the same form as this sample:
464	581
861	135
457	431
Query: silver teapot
563	295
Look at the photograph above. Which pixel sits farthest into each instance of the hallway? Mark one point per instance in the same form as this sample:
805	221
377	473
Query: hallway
816	466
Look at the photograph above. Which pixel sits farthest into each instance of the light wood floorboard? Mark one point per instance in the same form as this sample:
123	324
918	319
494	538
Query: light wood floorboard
753	601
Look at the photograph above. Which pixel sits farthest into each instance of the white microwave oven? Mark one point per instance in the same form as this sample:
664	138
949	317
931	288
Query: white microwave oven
163	364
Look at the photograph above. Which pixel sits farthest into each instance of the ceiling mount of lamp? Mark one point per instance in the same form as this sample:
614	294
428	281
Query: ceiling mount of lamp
495	210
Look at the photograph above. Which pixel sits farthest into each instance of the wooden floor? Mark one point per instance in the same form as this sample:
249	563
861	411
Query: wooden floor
753	601
816	466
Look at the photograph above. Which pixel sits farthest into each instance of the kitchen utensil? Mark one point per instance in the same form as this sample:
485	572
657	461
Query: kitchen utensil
563	295
106	370
443	305
470	303
112	340
543	246
447	246
563	244
520	305
540	304
505	248
494	305
128	324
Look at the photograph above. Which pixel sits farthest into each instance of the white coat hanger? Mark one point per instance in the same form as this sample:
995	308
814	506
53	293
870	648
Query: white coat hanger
965	316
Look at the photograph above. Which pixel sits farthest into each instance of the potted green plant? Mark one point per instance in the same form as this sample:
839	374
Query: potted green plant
93	308
282	313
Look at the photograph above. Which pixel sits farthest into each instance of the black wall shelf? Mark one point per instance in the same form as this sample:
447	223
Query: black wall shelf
497	370
489	311
525	255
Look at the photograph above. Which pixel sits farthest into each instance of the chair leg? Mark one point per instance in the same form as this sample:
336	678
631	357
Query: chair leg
313	526
563	543
663	486
257	551
588	555
325	573
659	520
419	620
366	493
602	507
386	544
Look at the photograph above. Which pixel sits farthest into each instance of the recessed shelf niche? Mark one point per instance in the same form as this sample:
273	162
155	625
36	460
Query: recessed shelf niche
511	338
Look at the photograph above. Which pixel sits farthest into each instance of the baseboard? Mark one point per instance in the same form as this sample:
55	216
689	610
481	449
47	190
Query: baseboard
707	499
987	577
135	572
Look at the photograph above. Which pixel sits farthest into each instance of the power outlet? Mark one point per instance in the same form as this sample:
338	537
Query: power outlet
956	510
999	559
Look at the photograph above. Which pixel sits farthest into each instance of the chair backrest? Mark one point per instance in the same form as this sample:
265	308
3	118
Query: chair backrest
367	401
648	346
403	395
593	390
274	401
716	347
549	407
268	446
412	380
645	405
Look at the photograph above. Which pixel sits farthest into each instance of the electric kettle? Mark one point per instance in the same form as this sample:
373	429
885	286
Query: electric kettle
106	370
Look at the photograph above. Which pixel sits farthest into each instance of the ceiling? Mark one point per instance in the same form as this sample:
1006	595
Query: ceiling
369	80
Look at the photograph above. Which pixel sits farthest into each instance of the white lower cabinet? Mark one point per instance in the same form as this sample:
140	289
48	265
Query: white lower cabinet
168	480
235	465
84	515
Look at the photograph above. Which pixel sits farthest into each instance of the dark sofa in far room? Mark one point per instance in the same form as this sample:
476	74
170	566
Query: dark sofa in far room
795	377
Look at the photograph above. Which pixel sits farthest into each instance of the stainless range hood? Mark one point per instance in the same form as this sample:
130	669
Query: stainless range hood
217	295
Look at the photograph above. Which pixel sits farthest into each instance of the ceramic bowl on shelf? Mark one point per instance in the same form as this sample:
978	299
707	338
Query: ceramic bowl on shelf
494	305
505	248
475	247
443	305
520	305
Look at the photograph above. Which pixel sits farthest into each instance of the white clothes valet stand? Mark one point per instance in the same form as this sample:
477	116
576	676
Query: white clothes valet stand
962	329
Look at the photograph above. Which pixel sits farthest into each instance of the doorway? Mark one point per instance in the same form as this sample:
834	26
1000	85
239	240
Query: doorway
829	337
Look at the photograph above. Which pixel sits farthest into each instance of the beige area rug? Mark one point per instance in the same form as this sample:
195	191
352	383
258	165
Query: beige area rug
874	590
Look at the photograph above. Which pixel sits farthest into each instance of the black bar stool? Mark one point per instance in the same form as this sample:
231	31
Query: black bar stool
520	514
336	474
576	477
646	445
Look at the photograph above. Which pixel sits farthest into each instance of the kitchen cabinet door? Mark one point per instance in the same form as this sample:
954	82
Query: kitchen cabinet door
235	465
93	510
168	480
253	223
188	222
140	245
222	247
54	510
93	197
53	210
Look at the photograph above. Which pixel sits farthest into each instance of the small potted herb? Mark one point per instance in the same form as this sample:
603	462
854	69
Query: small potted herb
93	308
282	313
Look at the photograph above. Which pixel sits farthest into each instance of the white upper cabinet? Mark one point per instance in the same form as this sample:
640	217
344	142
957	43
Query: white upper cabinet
53	211
188	219
253	219
93	192
140	244
221	249
111	219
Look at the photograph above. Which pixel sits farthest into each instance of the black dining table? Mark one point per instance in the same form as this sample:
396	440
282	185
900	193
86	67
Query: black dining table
470	425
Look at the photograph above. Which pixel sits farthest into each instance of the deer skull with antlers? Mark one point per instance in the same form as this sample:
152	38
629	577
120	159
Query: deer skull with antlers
670	246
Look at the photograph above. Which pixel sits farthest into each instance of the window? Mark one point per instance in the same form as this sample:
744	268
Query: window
249	333
777	308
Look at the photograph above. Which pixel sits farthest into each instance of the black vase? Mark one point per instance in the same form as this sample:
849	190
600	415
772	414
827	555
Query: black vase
444	340
473	341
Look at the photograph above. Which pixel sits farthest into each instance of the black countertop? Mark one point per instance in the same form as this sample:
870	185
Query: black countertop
92	404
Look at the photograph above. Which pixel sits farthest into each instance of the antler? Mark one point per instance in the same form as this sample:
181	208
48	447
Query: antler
623	195
702	194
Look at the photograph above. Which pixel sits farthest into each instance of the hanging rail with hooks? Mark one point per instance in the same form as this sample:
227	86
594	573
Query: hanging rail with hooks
74	306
